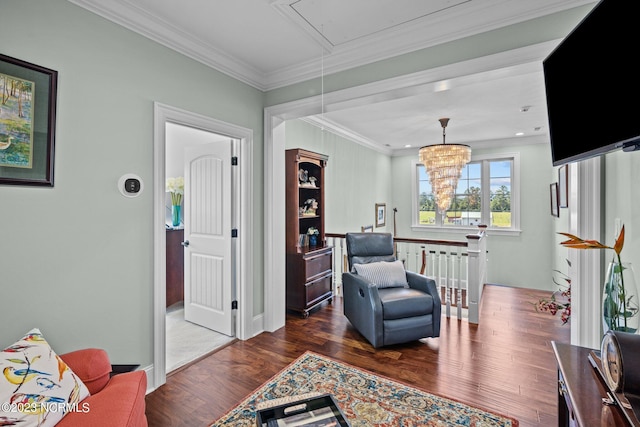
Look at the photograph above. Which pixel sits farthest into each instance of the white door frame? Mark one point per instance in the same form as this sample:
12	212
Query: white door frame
519	60
243	201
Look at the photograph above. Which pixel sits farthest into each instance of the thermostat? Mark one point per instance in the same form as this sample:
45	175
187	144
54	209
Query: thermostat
130	185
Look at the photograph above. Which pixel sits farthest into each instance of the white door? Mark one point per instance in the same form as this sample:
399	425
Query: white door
207	234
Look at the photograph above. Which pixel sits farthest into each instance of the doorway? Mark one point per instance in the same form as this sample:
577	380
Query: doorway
241	205
199	318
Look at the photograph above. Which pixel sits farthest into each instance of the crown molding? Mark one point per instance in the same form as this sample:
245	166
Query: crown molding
328	125
139	21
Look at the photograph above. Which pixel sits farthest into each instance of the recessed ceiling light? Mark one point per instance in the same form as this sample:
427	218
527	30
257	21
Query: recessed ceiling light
407	145
519	133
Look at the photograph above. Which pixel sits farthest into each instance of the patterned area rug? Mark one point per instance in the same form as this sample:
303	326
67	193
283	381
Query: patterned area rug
365	399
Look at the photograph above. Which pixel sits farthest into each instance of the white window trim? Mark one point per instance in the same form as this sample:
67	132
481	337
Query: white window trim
515	200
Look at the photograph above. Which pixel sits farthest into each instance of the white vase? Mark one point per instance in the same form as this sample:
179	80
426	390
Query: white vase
620	304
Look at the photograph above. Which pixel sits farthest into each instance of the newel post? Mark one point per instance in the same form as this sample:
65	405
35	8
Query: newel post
477	268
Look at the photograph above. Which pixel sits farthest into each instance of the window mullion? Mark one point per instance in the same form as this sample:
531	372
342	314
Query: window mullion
486	193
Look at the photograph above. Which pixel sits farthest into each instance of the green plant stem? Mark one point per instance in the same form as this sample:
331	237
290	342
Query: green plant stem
622	291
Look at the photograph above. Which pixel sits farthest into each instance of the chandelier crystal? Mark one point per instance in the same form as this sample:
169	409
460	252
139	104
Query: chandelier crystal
444	163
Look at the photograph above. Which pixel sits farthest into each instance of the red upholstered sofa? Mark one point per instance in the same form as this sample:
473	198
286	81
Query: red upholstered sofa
116	401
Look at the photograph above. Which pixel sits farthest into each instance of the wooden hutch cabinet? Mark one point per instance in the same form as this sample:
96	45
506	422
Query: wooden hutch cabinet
309	273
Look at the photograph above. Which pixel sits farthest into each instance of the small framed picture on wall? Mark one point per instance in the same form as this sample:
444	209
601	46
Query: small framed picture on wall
381	214
563	186
553	194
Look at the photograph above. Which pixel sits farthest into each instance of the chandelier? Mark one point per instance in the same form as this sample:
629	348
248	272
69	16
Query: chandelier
444	163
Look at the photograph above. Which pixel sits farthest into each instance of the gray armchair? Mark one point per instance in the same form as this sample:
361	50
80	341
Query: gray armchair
388	312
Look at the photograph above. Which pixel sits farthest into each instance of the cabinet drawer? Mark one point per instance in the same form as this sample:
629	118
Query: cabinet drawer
318	289
318	264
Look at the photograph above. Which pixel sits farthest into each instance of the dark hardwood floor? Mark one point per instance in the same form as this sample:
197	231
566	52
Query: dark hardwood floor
505	364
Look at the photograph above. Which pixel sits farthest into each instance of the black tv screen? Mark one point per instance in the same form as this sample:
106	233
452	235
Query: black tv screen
592	84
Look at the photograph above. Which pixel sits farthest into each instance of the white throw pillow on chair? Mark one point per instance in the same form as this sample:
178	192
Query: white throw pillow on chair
384	274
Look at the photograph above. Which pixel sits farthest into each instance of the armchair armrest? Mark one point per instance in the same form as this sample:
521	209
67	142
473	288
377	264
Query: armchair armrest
92	365
362	307
425	284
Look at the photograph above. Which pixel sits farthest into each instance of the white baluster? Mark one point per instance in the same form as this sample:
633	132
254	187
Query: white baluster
447	280
406	255
459	280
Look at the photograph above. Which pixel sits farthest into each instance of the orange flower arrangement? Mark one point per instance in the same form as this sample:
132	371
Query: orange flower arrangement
553	305
616	303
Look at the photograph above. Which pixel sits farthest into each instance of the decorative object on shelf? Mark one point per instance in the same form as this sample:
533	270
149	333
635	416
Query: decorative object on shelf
28	125
175	215
560	300
303	176
310	207
444	163
381	214
620	294
309	181
313	233
175	186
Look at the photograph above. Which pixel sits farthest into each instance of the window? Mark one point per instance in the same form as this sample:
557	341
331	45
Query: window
487	193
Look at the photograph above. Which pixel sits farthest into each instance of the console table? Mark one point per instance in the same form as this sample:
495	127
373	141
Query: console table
580	391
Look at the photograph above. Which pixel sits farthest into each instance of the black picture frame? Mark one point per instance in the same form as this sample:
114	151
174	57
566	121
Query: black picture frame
563	186
554	198
28	95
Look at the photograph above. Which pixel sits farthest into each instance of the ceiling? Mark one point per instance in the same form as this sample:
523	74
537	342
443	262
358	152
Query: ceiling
273	43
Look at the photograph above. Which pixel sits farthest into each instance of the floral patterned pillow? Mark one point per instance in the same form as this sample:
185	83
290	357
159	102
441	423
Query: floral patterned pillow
36	387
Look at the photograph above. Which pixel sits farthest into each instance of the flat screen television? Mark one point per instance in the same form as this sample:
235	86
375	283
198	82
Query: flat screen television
592	84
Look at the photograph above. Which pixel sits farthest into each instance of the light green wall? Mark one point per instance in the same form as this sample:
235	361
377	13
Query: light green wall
622	200
76	260
356	177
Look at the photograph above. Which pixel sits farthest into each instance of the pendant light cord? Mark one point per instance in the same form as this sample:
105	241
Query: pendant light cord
322	75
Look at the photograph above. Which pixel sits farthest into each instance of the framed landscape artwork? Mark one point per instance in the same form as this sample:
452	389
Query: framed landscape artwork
27	122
